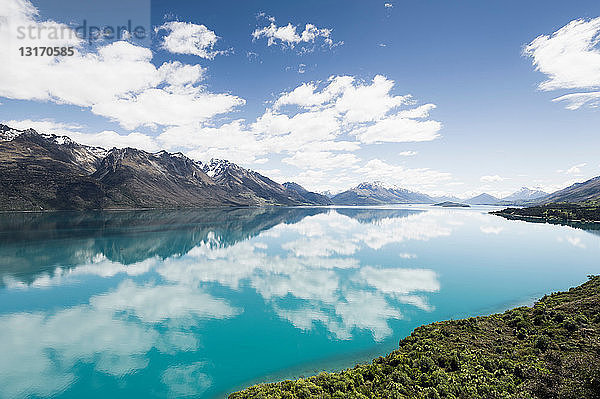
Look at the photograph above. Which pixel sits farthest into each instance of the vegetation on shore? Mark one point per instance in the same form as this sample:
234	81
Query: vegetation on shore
550	350
557	212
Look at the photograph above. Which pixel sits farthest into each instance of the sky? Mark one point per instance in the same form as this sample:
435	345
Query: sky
440	97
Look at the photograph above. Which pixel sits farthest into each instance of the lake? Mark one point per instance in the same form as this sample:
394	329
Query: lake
203	302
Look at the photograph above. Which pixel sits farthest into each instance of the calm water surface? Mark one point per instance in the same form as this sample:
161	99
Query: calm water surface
200	303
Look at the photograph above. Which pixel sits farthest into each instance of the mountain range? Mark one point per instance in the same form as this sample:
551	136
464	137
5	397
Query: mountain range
40	172
44	171
378	194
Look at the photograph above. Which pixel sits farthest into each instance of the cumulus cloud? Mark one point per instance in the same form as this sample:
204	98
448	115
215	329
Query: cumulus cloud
106	139
292	35
189	38
317	126
115	80
367	110
422	178
573	170
570	58
322	160
407	153
577	100
492	179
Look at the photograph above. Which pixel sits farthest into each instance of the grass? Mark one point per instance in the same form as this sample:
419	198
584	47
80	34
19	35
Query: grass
550	350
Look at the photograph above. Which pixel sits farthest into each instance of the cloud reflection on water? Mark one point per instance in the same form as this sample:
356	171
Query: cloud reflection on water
312	259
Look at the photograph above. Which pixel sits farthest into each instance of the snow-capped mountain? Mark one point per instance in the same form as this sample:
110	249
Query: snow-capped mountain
482	199
377	193
525	194
86	157
41	171
252	185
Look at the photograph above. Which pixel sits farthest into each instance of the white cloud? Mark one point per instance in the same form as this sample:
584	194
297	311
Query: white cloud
570	58
361	109
106	139
577	100
189	38
116	80
171	106
407	153
322	160
311	126
492	179
109	139
424	178
399	129
288	36
388	5
573	170
406	255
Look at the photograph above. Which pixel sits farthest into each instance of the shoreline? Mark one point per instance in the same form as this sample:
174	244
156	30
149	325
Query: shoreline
549	349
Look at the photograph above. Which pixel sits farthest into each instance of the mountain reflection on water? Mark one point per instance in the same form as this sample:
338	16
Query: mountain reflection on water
199	302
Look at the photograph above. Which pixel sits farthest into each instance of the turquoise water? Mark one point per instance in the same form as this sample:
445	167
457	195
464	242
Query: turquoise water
201	303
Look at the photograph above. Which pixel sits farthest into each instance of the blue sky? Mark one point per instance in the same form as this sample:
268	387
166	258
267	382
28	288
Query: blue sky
492	127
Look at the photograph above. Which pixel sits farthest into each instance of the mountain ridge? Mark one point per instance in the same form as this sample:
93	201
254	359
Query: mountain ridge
377	193
49	172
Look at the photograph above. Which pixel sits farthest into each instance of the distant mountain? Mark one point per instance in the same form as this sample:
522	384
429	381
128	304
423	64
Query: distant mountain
482	199
378	194
310	197
588	191
525	194
328	193
42	172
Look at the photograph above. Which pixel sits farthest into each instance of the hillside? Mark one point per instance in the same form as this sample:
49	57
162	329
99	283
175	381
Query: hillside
575	204
550	350
138	179
254	187
39	172
553	213
309	197
586	192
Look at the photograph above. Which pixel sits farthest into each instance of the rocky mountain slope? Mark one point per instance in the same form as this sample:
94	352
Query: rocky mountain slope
378	194
250	185
39	172
136	178
309	197
586	192
44	172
